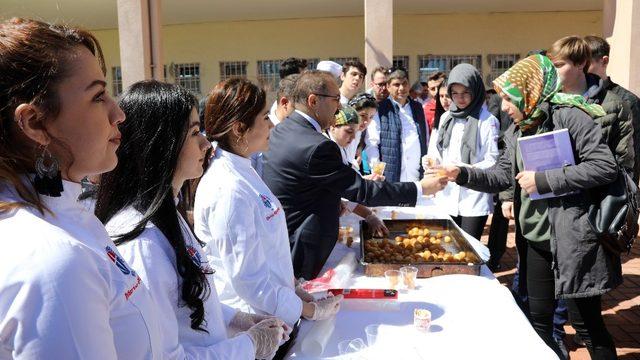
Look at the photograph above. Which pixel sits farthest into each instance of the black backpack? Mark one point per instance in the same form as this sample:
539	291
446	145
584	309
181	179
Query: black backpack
613	213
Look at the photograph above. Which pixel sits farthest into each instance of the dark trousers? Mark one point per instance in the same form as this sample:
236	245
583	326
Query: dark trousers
473	225
498	234
585	313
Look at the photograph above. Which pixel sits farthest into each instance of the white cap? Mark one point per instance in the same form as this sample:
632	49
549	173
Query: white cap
331	66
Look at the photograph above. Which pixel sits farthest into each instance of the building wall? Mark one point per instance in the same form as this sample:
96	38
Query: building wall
451	34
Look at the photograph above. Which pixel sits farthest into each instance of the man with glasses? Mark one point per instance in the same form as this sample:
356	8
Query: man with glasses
378	85
398	135
304	169
429	107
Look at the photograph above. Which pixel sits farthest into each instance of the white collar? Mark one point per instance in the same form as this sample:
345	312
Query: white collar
397	103
274	119
233	158
68	197
310	120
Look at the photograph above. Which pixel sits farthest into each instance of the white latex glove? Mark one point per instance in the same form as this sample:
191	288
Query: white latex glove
303	294
326	308
377	225
242	321
266	336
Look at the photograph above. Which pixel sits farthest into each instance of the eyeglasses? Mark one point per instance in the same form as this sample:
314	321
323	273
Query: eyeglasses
334	97
381	84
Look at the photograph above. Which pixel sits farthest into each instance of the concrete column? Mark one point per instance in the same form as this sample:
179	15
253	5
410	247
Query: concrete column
378	33
621	28
140	40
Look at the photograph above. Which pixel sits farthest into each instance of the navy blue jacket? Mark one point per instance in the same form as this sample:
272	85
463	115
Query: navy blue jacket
390	145
304	169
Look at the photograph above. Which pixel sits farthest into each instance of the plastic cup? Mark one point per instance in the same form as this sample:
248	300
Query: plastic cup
372	334
347	347
378	167
393	278
409	276
422	319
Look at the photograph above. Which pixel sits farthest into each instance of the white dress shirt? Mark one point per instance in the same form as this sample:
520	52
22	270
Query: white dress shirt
65	291
272	114
153	257
245	229
311	120
410	147
458	200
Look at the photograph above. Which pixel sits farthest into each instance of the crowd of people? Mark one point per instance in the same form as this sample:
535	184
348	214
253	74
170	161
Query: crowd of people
199	220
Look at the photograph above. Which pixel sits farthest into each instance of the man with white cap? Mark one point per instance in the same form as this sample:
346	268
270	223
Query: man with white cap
330	66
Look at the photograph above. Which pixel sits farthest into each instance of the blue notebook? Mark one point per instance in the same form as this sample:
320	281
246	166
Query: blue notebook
552	150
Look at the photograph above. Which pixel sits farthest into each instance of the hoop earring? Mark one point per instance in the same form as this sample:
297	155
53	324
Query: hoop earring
48	180
243	140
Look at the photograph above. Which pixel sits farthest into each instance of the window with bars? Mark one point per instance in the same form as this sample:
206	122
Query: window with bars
428	64
312	63
499	63
269	73
188	76
342	60
233	68
401	62
116	80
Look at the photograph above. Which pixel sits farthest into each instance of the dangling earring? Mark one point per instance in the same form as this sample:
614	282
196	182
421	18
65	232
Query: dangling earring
48	180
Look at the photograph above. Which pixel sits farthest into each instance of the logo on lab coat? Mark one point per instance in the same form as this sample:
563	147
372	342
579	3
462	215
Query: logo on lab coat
120	264
194	254
266	201
269	205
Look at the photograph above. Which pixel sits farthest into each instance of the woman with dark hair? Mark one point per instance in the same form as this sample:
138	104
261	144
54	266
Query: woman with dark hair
443	102
65	291
162	148
240	219
467	135
367	107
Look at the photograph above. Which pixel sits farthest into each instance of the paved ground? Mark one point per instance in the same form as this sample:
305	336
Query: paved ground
621	307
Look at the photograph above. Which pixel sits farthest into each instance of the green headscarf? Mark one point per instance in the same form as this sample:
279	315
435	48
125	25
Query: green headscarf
347	116
534	80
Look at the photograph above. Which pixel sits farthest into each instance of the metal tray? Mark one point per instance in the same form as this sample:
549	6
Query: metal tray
425	268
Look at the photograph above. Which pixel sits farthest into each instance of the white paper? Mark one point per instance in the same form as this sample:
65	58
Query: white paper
315	341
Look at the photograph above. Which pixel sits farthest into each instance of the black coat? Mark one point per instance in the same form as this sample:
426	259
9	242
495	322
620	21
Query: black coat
304	169
581	265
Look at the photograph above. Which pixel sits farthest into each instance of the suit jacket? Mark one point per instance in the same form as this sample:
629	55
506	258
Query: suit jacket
304	169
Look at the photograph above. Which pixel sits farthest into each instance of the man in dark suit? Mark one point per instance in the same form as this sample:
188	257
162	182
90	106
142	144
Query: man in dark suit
304	169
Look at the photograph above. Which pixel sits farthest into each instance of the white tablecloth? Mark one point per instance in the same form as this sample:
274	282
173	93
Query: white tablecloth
473	317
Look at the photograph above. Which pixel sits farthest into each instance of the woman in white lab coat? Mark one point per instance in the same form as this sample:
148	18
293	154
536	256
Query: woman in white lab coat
467	136
161	149
240	219
65	291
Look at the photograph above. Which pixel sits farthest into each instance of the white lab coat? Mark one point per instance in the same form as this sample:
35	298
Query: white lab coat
245	229
65	291
152	256
455	199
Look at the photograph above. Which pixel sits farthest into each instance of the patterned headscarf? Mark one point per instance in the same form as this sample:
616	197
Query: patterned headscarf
347	116
532	81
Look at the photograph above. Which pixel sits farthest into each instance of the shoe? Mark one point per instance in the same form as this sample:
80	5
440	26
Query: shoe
578	340
563	348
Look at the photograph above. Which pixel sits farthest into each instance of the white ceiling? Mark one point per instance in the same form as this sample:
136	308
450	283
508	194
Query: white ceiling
101	14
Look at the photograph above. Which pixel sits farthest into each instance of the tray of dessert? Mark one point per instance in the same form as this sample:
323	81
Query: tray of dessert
434	246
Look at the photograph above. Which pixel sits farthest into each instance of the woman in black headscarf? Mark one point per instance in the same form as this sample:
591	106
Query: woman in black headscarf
467	136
